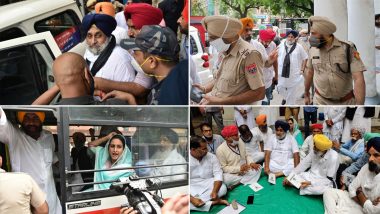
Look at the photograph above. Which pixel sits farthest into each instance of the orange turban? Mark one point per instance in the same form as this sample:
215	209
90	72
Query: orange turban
105	8
185	11
247	22
261	119
229	131
21	115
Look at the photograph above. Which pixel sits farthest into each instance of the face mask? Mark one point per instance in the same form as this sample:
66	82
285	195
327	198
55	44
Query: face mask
304	38
136	66
235	143
208	138
219	45
264	128
247	140
317	42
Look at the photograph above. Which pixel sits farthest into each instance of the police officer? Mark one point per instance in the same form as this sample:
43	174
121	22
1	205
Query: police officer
238	72
333	65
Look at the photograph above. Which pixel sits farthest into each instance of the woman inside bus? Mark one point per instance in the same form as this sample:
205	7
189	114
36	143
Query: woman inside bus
115	154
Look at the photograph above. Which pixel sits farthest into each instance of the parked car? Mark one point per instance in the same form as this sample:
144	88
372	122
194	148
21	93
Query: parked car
200	57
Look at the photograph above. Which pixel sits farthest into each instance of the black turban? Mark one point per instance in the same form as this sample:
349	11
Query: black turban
284	125
105	23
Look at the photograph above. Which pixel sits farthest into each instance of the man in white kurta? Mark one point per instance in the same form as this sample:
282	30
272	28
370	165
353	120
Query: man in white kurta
323	163
364	191
206	175
333	125
32	155
288	85
235	162
308	144
244	115
252	144
262	132
281	151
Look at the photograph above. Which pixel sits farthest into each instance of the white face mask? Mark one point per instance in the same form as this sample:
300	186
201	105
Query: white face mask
136	66
219	45
289	43
235	143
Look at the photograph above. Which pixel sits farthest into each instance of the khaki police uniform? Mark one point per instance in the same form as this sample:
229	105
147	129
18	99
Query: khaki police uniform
238	71
332	76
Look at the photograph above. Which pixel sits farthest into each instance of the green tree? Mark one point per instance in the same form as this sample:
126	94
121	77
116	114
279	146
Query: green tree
242	7
290	8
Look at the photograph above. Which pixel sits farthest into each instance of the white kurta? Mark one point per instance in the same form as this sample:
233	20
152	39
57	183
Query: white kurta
230	161
256	132
239	118
282	151
268	73
307	147
357	121
336	114
337	201
203	174
120	33
253	149
287	87
118	66
320	169
173	158
34	157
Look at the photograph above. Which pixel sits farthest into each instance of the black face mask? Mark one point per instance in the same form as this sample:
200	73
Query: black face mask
208	138
317	42
247	140
248	38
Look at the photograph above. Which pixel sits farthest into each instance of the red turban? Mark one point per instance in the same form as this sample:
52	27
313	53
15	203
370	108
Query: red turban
229	131
185	11
316	126
142	14
267	35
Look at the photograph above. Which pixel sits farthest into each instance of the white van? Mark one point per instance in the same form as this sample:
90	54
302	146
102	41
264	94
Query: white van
32	34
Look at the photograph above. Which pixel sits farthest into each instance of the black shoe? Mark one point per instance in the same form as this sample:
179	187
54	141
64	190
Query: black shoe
283	102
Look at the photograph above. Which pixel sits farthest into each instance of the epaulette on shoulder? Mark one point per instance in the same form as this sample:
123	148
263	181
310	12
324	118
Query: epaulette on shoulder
349	43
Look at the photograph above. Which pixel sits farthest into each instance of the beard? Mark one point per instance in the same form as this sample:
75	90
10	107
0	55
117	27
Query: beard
248	38
183	30
97	49
32	129
373	167
281	137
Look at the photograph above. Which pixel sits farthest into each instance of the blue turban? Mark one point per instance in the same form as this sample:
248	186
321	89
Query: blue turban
105	23
375	143
293	32
284	125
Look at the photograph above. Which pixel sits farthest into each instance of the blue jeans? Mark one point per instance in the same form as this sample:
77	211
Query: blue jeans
268	95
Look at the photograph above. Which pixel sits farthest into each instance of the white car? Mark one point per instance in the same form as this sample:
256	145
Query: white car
199	56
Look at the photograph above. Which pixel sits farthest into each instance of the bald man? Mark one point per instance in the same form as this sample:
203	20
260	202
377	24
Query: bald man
75	82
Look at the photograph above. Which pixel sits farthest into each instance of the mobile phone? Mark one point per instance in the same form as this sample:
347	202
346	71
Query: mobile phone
250	199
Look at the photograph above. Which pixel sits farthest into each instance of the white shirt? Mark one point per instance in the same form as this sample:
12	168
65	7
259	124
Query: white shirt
120	33
207	168
307	147
370	183
337	115
268	73
320	167
296	59
173	158
118	66
260	136
281	150
34	157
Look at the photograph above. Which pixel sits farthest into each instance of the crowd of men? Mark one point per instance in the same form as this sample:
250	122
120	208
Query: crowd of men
247	69
130	57
344	171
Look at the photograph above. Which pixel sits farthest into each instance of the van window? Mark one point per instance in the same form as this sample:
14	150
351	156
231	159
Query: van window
23	73
11	34
65	28
193	45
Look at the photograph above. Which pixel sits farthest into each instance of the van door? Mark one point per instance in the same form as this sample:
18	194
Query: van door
26	68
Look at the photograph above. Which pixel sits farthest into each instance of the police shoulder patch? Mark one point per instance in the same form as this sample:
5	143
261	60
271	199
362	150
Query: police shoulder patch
252	68
356	55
